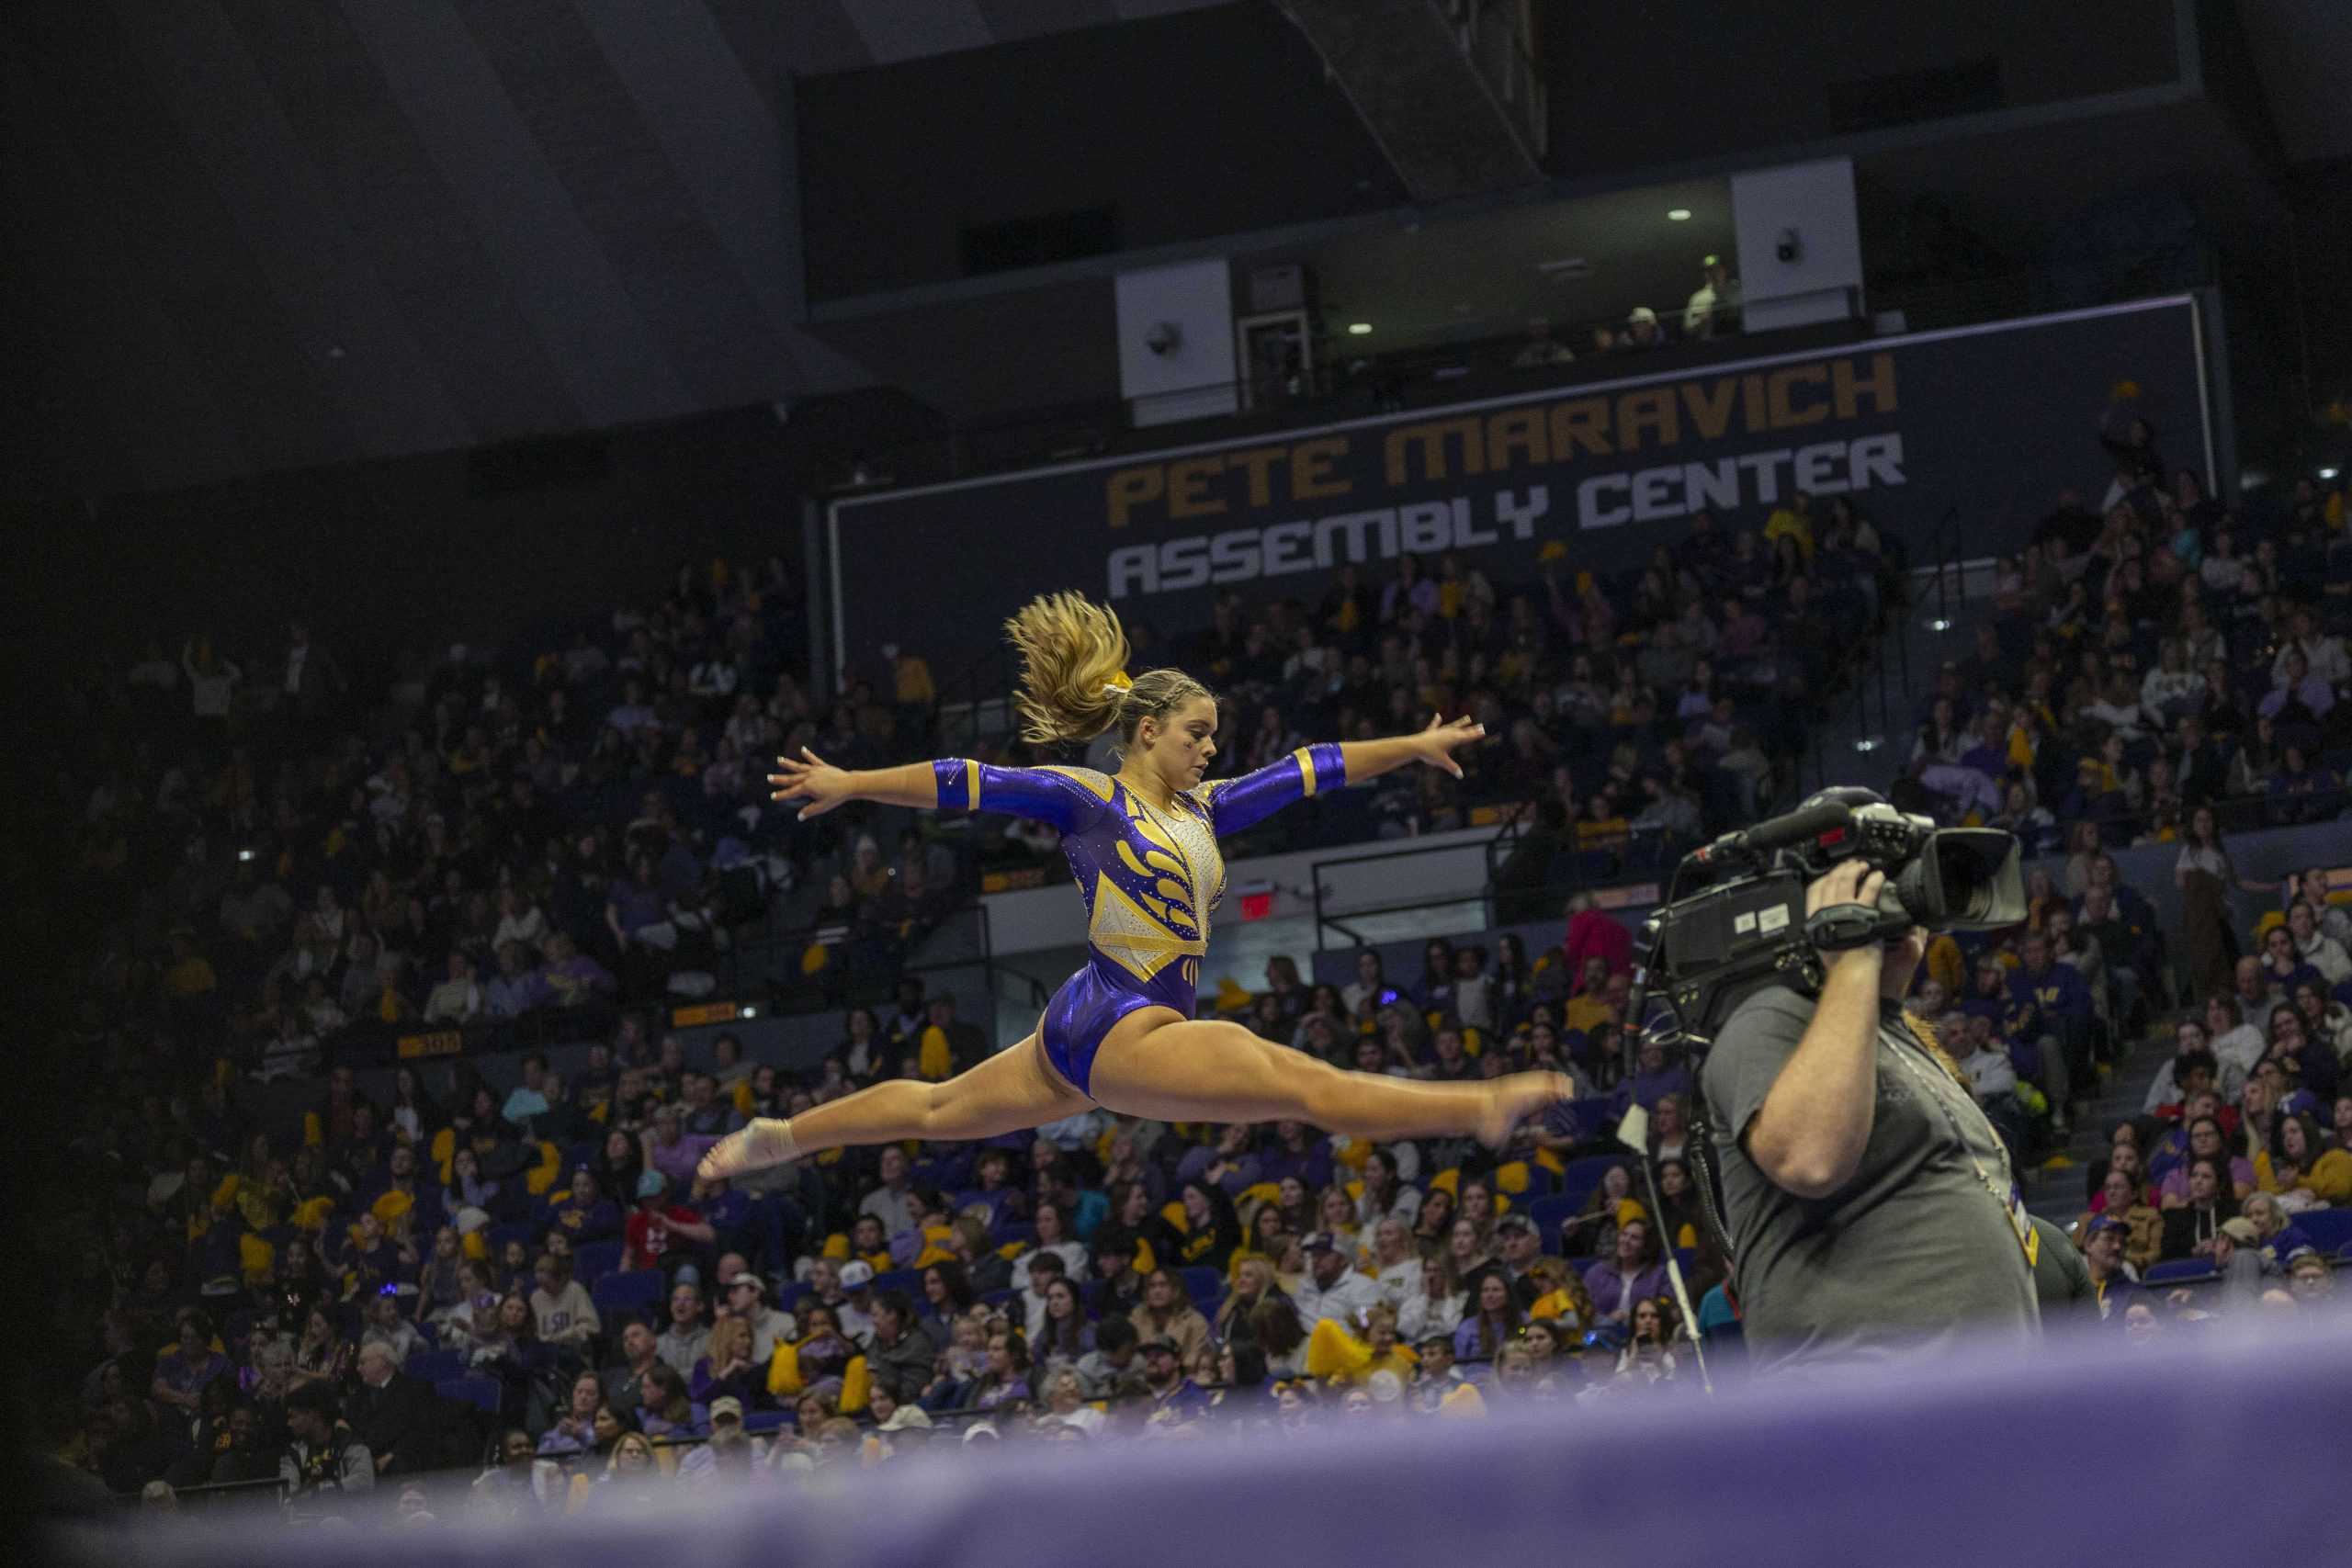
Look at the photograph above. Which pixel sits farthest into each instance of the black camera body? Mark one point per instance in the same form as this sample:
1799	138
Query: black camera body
1698	957
1699	954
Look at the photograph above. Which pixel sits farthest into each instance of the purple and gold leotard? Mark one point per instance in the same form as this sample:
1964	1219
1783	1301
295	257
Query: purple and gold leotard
1150	877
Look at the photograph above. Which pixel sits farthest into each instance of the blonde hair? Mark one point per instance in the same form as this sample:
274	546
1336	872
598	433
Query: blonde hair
1074	685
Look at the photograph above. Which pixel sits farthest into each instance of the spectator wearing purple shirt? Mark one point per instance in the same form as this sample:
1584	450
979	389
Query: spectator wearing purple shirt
1634	1274
184	1367
1227	1162
1295	1151
1654	1080
572	977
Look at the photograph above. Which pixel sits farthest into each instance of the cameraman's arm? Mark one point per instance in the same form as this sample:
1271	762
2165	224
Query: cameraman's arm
1809	1134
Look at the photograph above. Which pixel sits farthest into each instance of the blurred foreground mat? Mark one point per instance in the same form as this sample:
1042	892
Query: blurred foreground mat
1870	1468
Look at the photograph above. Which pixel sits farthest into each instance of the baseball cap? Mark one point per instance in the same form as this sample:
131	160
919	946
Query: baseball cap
2241	1230
1321	1241
856	1274
727	1404
1516	1222
687	1274
2110	1222
907	1416
651	1185
748	1278
1160	1347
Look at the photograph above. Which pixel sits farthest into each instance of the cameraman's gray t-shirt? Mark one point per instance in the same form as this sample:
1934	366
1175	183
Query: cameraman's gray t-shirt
1909	1254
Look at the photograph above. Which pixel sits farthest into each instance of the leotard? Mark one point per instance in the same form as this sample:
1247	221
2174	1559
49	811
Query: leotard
1150	877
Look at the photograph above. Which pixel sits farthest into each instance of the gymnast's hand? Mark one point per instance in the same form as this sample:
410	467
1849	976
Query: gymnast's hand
1436	744
810	778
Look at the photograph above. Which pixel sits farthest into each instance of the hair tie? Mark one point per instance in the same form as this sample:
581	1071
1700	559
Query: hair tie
1118	683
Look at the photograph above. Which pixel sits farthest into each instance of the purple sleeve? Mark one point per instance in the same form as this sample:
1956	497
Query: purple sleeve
1311	769
1066	799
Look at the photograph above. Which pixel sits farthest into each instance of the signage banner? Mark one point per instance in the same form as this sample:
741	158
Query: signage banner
1991	421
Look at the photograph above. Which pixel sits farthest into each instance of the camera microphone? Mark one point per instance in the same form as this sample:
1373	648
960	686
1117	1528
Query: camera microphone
1805	822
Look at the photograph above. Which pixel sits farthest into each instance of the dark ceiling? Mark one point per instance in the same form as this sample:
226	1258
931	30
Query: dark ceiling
248	236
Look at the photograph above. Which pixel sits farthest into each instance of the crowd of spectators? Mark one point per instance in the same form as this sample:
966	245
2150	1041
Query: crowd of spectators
515	845
2157	657
403	1290
1632	711
417	1275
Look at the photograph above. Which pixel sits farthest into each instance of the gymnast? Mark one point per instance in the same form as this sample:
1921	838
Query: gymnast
1120	1033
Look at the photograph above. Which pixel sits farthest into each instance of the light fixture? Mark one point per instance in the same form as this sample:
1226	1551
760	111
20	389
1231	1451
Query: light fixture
1358	329
1678	214
2327	473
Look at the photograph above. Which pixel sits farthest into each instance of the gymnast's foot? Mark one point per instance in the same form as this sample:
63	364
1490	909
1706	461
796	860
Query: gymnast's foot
767	1141
1515	1098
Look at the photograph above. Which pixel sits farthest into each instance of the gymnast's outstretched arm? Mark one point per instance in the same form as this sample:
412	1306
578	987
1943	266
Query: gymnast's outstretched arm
1235	804
951	783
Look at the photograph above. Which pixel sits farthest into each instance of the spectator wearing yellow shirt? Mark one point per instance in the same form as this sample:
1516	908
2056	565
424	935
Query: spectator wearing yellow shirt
190	974
1793	519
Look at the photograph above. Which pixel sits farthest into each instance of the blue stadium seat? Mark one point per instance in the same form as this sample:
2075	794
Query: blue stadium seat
481	1393
618	1295
2181	1271
590	1261
1549	1214
759	1421
511	1230
907	1279
1204	1284
997	1298
436	1366
1582	1176
2328	1228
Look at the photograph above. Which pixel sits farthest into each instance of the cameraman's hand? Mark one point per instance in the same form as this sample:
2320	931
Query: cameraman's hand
1849	882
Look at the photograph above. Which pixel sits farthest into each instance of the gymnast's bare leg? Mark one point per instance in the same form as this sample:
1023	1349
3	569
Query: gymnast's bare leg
1153	1064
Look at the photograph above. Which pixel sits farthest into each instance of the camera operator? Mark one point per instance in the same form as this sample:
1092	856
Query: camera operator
1871	1204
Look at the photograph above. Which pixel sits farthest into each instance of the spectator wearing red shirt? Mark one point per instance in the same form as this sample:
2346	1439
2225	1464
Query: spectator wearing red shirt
655	1228
1592	934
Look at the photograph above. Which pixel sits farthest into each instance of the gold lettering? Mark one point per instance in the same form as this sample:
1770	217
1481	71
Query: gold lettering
1516	435
1751	403
1710	409
1847	389
1784	407
1432	439
1188	487
1651	409
1130	488
1311	477
1580	422
1258	462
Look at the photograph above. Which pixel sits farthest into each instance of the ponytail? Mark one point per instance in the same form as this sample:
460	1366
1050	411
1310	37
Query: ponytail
1074	685
1073	663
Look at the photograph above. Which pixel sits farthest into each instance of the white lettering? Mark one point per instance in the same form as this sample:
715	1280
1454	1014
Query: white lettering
1356	526
1818	468
1426	527
1591	514
1712	485
1518	518
1133	569
1654	496
1876	459
1234	555
1183	563
1764	465
1287	546
1467	534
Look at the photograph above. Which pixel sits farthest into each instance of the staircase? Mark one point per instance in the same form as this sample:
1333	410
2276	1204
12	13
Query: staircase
2055	1191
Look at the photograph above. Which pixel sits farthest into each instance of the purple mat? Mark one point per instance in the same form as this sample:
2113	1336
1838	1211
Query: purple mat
1861	1469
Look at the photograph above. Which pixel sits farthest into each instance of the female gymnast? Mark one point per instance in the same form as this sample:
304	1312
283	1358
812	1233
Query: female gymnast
1120	1033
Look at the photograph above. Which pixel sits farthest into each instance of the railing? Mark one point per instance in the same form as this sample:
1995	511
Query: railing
1347	379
